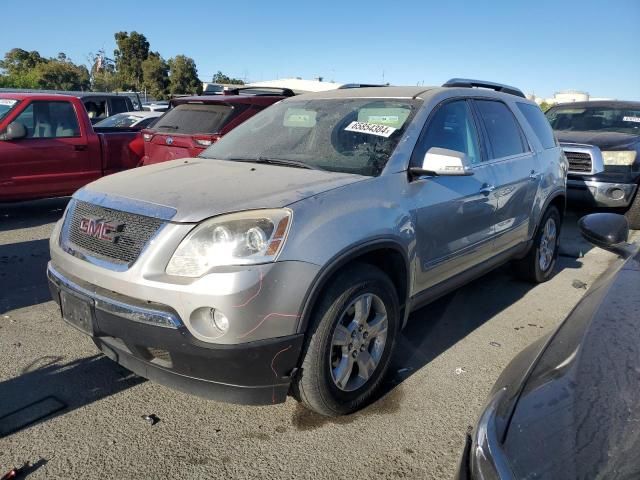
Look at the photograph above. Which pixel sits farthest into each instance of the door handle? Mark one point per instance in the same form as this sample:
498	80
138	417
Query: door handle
80	148
487	189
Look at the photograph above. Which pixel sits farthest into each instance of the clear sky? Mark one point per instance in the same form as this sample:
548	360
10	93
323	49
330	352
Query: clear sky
541	46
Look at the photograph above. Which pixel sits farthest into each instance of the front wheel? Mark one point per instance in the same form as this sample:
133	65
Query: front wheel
352	338
539	264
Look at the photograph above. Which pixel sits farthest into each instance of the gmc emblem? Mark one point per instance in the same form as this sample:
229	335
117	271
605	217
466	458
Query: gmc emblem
101	229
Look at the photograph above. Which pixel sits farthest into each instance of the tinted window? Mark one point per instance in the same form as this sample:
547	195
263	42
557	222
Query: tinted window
539	124
118	105
450	127
194	118
502	129
96	107
50	120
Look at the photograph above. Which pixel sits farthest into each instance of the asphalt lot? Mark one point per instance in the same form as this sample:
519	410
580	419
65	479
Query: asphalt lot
449	356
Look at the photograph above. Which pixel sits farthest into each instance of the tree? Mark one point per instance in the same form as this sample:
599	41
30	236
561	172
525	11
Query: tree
103	73
133	49
222	78
155	75
183	76
62	75
18	61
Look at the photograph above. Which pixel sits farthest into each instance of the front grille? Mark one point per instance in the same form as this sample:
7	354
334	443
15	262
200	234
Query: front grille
134	232
579	161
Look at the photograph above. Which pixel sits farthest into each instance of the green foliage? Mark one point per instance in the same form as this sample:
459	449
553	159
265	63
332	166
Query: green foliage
183	76
222	78
544	106
134	67
133	49
155	76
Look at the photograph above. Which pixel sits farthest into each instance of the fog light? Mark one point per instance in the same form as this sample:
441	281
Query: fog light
209	322
219	320
616	193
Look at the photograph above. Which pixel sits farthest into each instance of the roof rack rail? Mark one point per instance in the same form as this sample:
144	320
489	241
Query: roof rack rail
285	92
498	87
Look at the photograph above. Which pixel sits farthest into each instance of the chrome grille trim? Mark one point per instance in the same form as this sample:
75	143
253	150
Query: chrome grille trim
583	159
137	232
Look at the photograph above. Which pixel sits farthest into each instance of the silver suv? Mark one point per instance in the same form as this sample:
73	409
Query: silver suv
286	258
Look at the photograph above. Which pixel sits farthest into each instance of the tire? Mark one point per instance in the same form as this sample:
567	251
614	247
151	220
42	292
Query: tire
633	214
326	385
532	268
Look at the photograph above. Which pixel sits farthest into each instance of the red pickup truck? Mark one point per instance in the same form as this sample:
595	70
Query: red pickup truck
48	147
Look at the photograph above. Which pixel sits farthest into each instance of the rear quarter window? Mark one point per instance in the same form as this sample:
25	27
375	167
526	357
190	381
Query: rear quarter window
194	118
538	123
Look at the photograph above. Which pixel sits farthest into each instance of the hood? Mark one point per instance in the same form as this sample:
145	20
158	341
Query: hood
602	140
198	188
578	412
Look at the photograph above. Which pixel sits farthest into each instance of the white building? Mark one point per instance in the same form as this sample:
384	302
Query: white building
566	96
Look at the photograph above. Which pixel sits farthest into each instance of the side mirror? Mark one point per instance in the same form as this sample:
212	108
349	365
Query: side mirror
14	131
605	230
442	161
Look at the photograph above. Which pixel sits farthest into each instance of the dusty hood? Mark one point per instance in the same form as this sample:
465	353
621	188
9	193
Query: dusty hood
199	188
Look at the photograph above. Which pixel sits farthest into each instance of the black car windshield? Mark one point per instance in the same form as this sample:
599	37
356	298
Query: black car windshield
602	119
340	135
6	104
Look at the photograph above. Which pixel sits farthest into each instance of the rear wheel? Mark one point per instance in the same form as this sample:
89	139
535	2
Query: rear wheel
633	214
538	266
351	340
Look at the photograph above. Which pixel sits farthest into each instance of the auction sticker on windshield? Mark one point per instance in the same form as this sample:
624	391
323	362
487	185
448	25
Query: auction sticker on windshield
8	102
370	128
631	119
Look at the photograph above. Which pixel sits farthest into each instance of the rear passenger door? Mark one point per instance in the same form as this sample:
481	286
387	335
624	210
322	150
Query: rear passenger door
516	170
455	215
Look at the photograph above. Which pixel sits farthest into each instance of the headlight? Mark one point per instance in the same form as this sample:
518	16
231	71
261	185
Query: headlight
243	238
623	157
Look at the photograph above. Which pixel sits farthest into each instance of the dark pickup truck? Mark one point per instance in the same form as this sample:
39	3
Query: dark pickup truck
601	140
48	147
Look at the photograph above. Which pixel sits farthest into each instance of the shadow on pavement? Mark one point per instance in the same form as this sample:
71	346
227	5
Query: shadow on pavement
76	384
14	216
23	277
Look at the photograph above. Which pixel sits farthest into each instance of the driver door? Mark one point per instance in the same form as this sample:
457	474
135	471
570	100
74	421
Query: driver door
455	215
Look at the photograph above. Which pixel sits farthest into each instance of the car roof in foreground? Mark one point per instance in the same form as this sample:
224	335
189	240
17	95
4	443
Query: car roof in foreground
214	99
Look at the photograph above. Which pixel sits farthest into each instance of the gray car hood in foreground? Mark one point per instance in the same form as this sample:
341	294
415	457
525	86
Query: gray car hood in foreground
199	188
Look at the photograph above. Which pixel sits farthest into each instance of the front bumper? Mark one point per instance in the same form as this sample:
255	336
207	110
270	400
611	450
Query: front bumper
601	194
151	340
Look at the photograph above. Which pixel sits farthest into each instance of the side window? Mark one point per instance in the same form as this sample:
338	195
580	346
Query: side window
50	120
96	107
118	105
451	127
539	124
505	137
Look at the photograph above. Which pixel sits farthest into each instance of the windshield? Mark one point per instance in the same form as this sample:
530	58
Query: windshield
191	118
6	104
119	120
340	135
602	119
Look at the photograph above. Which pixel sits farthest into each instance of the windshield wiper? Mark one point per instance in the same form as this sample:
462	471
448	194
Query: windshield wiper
171	127
276	161
288	163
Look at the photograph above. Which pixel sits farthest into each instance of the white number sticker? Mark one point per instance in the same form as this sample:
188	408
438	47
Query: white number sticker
370	128
631	119
7	101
